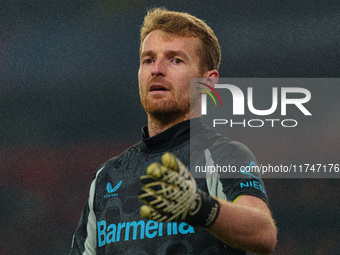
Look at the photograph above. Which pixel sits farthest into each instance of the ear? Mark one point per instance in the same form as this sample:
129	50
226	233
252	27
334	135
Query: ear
212	76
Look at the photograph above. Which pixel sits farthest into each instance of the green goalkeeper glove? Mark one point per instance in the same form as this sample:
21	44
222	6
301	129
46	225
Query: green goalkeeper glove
170	193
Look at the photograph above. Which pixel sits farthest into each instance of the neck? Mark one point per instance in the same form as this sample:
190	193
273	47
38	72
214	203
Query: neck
155	126
158	124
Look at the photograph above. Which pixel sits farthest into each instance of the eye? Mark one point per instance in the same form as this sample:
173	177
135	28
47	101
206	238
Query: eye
147	61
177	60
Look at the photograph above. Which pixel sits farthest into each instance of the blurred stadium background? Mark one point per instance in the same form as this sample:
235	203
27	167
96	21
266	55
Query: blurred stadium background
69	101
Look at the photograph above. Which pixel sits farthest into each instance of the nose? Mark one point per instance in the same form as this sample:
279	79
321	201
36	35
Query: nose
159	68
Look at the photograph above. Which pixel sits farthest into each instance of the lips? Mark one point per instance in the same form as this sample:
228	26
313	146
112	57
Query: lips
157	87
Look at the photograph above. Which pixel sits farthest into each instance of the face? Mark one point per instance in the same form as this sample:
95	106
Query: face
166	65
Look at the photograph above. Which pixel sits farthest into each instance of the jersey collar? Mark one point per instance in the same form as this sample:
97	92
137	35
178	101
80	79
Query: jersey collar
169	138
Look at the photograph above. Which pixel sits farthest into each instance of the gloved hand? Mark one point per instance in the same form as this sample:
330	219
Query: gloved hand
169	193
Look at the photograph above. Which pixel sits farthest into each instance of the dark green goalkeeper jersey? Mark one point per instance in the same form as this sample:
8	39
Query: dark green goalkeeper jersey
110	222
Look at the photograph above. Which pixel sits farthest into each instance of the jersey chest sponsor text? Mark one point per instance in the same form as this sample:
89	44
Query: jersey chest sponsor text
138	230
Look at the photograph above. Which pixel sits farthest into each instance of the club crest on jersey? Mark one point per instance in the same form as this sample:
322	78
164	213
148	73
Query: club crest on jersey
111	190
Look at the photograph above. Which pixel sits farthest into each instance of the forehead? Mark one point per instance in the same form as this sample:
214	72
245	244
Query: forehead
159	40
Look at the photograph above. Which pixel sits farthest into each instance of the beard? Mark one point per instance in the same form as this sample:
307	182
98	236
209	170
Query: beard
165	110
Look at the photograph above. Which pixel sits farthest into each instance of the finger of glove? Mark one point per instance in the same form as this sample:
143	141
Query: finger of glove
159	172
150	213
172	162
160	188
149	182
169	160
146	211
148	197
156	170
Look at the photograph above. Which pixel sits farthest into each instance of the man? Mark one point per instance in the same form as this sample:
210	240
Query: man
175	214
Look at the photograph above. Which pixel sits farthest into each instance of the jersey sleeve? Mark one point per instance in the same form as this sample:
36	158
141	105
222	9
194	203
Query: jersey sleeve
238	172
85	240
80	234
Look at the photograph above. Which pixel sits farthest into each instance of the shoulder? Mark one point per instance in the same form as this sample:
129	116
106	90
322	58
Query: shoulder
232	148
225	148
119	160
219	148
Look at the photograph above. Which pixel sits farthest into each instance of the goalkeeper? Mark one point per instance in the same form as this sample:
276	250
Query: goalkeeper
145	201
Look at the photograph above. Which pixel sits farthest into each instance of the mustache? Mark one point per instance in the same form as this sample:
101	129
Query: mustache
161	81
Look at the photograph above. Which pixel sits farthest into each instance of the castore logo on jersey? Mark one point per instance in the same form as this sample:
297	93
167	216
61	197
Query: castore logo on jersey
111	190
